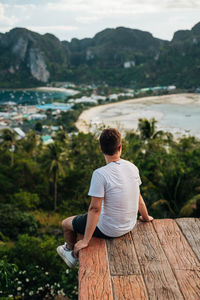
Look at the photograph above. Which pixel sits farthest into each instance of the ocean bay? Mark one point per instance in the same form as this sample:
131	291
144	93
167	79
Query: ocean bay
32	96
178	114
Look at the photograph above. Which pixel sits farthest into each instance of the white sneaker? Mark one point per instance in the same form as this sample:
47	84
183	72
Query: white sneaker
67	256
65	247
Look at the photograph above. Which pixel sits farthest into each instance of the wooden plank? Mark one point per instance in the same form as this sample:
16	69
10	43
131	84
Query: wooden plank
130	287
183	261
191	229
175	245
122	257
189	282
158	276
94	275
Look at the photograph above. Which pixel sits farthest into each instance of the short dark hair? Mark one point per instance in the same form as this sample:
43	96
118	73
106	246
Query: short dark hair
110	141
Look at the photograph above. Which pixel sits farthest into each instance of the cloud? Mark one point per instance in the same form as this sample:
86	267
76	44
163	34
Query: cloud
103	7
120	6
50	28
181	4
82	18
86	19
68	6
4	20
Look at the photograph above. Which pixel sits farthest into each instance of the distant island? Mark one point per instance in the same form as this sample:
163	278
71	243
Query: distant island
121	57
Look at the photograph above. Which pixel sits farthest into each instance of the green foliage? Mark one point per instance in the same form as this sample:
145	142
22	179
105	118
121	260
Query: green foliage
169	170
34	282
14	222
38	126
25	200
7	272
59	174
191	208
40	271
155	61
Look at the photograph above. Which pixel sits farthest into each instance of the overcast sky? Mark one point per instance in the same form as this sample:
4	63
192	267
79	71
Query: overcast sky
84	18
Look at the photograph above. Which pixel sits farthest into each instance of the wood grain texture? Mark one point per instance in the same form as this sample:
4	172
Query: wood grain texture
189	282
175	245
94	275
158	276
190	228
122	257
183	260
156	261
130	287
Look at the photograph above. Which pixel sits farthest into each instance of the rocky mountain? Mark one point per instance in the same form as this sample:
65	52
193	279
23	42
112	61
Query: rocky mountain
187	35
121	56
114	47
30	57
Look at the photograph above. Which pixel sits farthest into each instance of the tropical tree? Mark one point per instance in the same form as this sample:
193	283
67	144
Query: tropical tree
9	141
84	157
147	130
61	137
30	143
54	156
191	208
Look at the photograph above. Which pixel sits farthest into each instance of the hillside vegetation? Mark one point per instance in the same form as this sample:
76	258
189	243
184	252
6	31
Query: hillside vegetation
40	185
118	57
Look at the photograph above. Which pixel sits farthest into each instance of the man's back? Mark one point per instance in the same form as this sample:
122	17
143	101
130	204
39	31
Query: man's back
115	200
118	182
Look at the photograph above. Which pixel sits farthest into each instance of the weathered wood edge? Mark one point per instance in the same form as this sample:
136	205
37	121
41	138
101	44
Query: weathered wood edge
181	257
94	273
190	228
158	276
122	256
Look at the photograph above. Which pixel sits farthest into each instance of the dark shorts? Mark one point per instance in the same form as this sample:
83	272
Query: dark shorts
79	224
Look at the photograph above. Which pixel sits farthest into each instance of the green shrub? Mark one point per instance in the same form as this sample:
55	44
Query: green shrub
7	273
35	283
25	200
14	222
42	272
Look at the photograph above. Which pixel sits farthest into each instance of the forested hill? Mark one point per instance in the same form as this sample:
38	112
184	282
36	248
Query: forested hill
118	57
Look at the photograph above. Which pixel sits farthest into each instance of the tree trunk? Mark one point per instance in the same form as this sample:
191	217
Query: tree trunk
12	154
12	159
55	191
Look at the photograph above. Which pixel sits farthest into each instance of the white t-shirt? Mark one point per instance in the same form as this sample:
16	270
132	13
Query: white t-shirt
118	183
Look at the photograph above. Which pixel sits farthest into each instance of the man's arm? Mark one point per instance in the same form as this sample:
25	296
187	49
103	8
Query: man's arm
143	211
94	212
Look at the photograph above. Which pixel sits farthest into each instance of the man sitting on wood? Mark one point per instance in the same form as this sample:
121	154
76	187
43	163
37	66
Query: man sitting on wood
115	201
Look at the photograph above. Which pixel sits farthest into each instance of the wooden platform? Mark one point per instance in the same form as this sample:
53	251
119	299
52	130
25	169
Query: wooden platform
158	260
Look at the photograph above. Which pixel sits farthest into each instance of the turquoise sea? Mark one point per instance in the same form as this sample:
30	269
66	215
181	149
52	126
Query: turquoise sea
31	97
185	117
178	114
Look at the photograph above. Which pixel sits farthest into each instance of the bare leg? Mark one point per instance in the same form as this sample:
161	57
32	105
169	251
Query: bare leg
69	234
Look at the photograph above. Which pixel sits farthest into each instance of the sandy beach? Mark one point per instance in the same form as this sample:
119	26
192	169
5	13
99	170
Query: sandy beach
53	89
124	115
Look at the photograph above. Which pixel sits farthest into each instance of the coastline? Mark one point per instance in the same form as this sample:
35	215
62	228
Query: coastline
43	89
89	118
54	89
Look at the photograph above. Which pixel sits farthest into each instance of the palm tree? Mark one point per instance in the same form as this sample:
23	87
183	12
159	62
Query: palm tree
53	159
9	140
162	208
147	130
61	136
191	208
30	143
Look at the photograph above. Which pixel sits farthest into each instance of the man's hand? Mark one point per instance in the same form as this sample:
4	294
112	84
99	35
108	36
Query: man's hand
78	246
146	220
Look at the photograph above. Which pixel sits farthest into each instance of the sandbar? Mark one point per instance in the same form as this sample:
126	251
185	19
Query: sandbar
54	89
124	115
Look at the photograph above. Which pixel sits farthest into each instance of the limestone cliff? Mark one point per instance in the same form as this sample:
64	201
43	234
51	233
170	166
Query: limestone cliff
24	51
119	57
